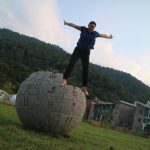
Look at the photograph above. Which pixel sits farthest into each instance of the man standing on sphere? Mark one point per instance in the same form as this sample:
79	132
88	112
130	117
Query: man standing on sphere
82	50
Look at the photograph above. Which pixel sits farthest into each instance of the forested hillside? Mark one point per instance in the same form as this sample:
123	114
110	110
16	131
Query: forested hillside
21	55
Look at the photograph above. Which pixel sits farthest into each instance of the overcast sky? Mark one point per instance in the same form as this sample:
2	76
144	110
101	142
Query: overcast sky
128	21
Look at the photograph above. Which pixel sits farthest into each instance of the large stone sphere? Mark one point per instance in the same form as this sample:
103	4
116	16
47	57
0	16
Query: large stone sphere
43	104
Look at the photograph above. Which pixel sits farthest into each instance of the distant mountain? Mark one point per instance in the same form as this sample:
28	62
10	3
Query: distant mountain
128	82
21	55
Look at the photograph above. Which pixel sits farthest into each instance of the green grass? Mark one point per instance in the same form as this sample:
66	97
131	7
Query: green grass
85	137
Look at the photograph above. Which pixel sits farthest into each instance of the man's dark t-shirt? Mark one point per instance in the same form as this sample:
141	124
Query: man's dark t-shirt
87	39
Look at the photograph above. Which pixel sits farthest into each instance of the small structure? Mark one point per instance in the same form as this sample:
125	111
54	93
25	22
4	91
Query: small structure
123	114
12	99
4	96
101	112
134	117
141	122
89	104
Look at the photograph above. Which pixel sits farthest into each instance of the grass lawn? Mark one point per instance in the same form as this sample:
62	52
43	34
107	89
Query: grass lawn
85	137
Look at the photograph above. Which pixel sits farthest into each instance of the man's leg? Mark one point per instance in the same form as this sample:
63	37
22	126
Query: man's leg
85	64
73	60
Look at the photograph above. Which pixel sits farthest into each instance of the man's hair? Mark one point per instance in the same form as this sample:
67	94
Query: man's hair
92	22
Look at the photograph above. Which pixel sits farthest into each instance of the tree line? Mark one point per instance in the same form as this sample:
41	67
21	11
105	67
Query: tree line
21	55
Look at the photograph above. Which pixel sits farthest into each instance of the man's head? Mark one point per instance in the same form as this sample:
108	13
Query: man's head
91	26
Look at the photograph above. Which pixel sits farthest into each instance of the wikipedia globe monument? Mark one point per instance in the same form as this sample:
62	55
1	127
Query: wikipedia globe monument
43	104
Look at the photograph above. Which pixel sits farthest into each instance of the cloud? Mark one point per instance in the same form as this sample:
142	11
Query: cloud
38	18
7	18
105	55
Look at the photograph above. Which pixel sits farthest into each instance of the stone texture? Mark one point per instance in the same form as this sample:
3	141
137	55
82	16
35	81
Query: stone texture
43	104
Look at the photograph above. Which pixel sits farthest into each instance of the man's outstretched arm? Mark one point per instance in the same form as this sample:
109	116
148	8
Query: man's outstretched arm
105	36
72	25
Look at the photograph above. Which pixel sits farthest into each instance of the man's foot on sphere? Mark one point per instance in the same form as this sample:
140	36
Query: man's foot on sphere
84	89
63	83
